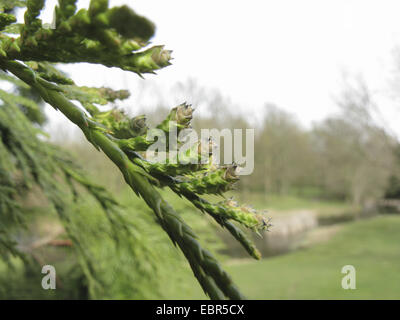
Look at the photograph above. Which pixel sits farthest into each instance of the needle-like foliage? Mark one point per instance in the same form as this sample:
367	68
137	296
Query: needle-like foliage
118	37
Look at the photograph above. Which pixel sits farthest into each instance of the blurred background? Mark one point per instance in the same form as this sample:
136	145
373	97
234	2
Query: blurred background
319	82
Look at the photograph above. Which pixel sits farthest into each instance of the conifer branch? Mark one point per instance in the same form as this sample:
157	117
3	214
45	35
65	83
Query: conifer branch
118	37
180	233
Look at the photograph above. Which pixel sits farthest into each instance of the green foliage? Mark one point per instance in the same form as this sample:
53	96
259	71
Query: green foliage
8	5
393	190
96	35
114	37
28	162
6	19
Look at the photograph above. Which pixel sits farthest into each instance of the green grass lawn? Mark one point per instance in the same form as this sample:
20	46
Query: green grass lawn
372	246
291	202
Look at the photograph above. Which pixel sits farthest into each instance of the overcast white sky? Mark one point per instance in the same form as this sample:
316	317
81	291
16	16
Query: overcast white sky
288	52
